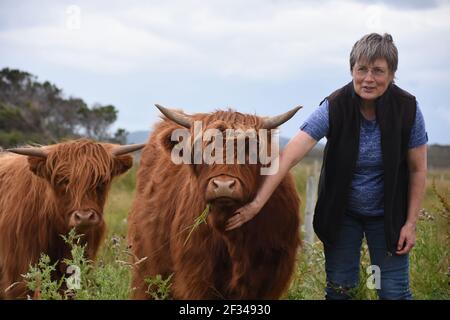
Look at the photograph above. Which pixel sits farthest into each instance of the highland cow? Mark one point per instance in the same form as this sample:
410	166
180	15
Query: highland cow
44	193
255	261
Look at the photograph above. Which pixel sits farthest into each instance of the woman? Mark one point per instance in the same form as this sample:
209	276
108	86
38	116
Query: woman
373	174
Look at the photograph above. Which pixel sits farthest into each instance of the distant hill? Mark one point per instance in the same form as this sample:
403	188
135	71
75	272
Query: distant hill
438	155
138	136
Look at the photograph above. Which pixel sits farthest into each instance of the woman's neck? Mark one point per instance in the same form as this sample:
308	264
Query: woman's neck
368	110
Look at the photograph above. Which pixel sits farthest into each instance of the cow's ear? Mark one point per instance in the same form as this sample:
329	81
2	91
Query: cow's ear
165	139
122	164
37	166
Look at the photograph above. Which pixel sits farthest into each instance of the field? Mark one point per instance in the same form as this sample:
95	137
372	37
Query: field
110	277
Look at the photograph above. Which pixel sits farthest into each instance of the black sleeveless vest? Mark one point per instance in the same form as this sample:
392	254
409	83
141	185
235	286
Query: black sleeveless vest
395	113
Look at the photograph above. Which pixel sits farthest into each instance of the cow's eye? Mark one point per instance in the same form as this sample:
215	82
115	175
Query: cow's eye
101	187
63	182
221	127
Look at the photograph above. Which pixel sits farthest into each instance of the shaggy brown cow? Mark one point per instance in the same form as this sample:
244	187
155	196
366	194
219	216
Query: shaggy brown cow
255	261
44	195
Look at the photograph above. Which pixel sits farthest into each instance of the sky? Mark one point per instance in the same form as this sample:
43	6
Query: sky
255	56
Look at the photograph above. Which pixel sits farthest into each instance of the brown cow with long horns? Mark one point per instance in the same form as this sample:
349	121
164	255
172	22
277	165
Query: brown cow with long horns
46	193
255	261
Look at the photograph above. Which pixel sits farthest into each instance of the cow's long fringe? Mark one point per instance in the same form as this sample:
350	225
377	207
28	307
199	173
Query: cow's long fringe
83	164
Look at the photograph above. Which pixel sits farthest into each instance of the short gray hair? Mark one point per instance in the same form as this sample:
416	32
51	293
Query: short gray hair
374	46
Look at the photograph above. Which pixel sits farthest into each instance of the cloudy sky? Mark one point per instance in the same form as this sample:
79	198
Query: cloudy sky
256	56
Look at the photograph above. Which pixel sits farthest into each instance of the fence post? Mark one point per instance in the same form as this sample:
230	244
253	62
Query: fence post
311	196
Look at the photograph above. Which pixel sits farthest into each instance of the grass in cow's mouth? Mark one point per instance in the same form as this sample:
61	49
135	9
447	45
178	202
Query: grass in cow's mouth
198	221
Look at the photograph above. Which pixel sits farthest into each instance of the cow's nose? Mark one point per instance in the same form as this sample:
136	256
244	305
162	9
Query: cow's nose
84	218
223	187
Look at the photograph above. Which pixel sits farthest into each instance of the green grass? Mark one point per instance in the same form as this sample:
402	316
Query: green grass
110	276
106	279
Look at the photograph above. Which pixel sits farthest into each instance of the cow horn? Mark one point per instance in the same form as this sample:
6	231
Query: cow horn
273	122
175	116
127	149
34	152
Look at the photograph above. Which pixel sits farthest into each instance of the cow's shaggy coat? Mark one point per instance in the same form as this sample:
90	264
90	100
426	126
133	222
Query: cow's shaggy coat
255	261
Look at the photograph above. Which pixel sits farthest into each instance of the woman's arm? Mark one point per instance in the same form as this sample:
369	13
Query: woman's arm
417	164
295	151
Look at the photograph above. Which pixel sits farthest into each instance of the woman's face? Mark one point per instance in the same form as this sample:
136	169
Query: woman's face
371	80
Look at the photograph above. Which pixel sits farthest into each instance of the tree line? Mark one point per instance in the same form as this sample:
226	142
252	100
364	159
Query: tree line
34	112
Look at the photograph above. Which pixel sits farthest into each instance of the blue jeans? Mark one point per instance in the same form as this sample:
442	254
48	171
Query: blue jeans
342	261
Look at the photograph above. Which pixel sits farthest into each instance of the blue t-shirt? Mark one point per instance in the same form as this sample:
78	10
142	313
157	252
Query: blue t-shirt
367	190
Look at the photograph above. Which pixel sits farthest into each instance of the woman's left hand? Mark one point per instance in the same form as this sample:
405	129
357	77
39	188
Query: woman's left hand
407	238
242	215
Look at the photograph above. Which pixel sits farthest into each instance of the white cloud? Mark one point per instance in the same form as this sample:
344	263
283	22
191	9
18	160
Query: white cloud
100	44
246	39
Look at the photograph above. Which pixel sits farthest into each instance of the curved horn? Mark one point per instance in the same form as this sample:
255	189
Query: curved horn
127	149
175	116
34	152
273	122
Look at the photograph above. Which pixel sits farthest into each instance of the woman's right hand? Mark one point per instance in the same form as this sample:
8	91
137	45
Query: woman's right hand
242	215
